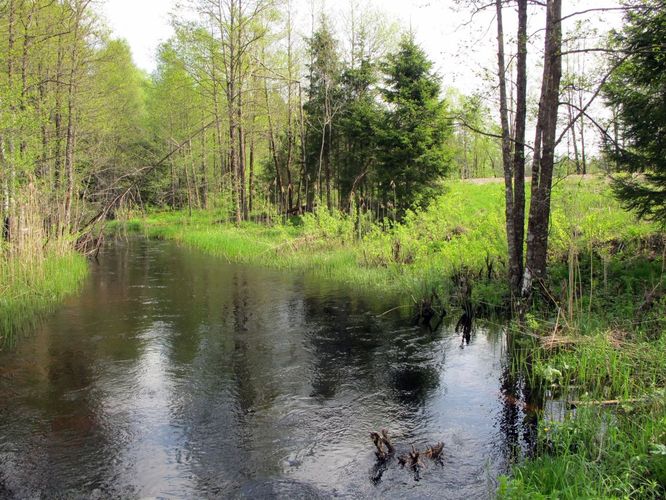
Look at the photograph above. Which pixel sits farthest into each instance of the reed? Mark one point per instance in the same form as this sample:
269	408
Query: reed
31	286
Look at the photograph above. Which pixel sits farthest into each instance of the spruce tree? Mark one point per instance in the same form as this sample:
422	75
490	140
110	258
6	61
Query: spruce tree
637	91
415	131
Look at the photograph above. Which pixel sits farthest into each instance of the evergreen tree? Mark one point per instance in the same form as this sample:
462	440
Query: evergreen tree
637	90
321	109
415	129
360	119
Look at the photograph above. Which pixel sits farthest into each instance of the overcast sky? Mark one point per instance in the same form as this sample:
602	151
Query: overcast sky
461	49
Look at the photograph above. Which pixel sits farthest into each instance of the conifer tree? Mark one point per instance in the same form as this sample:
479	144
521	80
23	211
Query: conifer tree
415	129
637	90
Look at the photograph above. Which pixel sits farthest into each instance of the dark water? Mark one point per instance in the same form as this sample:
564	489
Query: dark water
175	374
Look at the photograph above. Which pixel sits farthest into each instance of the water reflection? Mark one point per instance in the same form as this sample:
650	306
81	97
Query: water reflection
176	374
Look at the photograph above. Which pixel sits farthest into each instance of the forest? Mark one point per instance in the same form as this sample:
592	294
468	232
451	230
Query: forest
324	141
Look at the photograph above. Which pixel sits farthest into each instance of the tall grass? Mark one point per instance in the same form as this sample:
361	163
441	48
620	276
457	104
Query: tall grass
32	286
604	353
596	454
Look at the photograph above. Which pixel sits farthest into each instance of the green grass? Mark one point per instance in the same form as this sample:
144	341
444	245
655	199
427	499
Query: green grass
596	454
30	288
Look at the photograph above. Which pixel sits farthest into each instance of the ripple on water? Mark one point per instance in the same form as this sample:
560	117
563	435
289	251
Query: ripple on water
175	374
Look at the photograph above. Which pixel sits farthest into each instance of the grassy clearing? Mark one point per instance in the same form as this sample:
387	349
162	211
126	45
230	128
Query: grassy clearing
30	287
605	339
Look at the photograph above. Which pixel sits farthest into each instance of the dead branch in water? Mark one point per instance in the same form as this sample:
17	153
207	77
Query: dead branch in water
412	459
383	444
435	451
606	402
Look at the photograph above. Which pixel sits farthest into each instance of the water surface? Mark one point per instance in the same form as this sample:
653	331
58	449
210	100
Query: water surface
175	374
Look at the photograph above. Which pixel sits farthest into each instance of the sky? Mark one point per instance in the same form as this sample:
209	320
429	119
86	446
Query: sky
462	47
143	23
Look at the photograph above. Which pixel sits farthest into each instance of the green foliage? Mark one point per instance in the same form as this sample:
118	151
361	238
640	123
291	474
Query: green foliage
474	155
595	454
461	229
414	133
321	108
360	124
637	91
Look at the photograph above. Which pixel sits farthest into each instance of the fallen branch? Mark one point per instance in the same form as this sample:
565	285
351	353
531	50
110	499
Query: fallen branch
606	402
435	451
412	459
383	444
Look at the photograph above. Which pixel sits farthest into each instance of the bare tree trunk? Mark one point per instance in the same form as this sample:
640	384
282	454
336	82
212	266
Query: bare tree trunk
290	121
196	196
329	148
574	139
251	192
241	161
204	169
273	146
6	234
231	65
582	135
188	186
519	149
303	158
69	148
239	97
506	149
544	155
58	173
10	171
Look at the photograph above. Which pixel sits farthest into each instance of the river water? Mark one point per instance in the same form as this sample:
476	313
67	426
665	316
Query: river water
174	374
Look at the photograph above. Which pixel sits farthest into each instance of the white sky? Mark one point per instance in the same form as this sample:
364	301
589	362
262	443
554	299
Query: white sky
461	50
143	23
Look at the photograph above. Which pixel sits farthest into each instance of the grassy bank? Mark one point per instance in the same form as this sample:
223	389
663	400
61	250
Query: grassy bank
463	229
600	339
31	287
606	361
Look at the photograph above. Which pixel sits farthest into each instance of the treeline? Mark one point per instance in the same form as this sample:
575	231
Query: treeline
242	115
71	102
268	120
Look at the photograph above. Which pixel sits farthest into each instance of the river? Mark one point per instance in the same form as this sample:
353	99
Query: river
174	374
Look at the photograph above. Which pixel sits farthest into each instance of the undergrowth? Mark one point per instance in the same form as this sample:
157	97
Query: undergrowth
461	231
